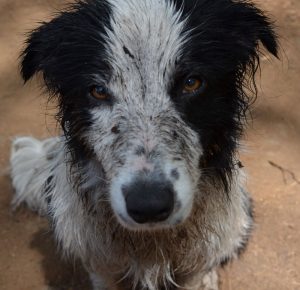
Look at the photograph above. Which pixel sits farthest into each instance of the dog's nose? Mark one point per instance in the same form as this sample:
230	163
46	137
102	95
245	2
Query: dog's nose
148	201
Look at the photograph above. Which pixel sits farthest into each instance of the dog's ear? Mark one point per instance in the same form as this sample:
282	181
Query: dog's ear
41	46
225	34
251	26
69	46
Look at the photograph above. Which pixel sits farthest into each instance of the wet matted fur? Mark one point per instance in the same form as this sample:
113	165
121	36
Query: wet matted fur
144	185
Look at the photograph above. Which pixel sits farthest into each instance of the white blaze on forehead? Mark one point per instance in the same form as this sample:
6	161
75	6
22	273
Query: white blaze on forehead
144	42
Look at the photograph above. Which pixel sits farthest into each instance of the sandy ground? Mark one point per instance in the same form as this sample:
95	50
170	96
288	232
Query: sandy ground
28	259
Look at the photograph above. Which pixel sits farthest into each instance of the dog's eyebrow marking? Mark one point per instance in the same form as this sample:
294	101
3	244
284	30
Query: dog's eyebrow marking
126	50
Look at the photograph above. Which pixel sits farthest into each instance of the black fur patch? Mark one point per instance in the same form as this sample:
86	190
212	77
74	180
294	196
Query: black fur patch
126	50
222	50
69	51
47	189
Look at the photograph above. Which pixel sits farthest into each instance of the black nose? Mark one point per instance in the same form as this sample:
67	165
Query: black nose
149	201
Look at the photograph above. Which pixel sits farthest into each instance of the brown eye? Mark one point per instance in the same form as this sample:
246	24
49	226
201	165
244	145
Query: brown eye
192	85
99	93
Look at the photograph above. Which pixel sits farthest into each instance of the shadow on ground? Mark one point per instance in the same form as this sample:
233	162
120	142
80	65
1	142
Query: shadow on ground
59	273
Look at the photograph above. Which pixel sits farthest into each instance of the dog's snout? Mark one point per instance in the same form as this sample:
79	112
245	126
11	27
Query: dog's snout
149	201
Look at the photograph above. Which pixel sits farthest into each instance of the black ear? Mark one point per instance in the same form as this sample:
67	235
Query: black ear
69	47
225	34
252	26
40	48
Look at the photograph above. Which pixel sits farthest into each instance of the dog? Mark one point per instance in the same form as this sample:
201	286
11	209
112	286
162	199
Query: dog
144	184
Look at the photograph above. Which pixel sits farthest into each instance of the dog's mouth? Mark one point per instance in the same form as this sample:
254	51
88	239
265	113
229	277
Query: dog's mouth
149	226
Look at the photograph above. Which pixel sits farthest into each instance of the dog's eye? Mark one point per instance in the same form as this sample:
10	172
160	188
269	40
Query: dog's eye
193	85
99	93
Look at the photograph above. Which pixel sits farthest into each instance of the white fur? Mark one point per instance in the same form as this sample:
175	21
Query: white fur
30	170
152	33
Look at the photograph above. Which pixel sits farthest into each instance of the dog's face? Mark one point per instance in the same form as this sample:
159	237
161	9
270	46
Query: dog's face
152	92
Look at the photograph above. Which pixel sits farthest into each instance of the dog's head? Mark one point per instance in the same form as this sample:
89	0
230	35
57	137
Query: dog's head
152	93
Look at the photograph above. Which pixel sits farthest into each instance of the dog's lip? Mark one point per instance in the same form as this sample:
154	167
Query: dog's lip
125	220
128	223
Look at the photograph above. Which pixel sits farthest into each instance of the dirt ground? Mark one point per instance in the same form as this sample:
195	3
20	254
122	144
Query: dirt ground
28	259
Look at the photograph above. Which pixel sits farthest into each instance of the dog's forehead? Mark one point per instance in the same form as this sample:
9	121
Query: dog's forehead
144	42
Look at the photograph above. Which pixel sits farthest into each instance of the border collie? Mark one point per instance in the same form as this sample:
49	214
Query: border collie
144	185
